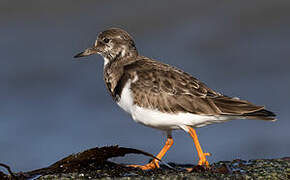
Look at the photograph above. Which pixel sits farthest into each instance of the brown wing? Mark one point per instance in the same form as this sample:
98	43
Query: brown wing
169	89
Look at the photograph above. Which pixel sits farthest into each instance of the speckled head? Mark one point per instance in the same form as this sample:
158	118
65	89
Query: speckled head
112	44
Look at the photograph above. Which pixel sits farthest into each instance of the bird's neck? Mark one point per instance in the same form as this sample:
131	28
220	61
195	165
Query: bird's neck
114	70
120	59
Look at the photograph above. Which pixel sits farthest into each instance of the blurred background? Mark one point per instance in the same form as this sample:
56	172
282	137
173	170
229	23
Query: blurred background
52	106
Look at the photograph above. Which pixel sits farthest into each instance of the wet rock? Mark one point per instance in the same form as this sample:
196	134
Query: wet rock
3	176
94	164
237	169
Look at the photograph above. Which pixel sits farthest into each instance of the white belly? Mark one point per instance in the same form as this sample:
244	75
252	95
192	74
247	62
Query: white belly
164	121
167	121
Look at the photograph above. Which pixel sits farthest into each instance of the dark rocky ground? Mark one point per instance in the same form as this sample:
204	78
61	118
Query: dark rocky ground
93	164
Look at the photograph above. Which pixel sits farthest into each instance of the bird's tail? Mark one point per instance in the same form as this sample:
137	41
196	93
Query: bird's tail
262	114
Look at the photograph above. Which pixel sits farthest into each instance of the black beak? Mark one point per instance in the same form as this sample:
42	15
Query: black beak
79	55
87	52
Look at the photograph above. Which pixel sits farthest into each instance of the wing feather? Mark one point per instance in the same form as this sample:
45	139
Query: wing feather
171	90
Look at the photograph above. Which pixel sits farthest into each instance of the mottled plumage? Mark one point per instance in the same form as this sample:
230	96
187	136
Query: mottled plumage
161	96
171	90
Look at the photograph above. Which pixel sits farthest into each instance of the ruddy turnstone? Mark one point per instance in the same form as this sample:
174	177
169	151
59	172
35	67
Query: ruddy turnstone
162	96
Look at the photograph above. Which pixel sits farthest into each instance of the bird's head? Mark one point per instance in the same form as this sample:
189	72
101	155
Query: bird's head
112	44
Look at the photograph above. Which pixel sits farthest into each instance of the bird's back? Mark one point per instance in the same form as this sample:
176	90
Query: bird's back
170	90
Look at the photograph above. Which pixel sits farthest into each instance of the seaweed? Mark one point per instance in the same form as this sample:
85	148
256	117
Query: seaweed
88	160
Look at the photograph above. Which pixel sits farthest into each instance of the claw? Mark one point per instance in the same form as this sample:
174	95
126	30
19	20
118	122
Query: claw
207	154
152	165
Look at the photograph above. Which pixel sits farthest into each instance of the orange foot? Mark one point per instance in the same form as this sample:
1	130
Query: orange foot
202	160
202	156
155	163
152	165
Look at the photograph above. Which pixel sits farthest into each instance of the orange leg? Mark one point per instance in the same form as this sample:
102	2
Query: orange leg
155	163
201	154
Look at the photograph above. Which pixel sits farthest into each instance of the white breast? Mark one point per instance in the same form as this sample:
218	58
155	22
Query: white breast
126	99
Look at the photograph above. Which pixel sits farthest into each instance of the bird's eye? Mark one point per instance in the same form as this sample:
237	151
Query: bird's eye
106	40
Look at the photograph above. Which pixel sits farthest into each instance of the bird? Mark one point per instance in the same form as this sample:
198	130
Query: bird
162	96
